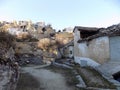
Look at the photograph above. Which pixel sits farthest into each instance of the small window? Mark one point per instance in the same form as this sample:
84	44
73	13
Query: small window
70	52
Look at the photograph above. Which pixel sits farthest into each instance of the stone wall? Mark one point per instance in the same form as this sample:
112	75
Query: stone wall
96	49
99	49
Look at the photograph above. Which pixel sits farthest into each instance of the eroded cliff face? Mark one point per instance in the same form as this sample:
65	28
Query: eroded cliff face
9	72
8	78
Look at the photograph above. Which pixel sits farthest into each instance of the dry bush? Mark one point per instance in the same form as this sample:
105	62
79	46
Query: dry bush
6	39
22	35
6	42
64	38
4	28
46	43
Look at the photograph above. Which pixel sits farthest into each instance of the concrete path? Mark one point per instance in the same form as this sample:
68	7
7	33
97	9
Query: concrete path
109	68
48	80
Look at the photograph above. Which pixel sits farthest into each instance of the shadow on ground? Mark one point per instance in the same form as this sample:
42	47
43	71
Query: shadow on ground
28	82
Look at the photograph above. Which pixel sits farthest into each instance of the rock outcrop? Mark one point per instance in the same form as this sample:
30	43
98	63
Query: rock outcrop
9	72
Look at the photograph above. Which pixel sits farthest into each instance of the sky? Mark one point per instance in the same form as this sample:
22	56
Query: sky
63	13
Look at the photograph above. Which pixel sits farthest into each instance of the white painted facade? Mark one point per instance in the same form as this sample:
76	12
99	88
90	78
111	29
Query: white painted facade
76	38
14	31
115	48
94	52
99	49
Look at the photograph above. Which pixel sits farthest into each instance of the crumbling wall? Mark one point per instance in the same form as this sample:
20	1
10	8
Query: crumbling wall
99	49
96	49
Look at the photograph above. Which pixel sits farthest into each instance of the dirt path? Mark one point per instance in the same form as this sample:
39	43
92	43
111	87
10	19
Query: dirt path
48	80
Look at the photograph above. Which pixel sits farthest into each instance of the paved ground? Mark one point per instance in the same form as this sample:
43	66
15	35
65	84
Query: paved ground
109	68
48	80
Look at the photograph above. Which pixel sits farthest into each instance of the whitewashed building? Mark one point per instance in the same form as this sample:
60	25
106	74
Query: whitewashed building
14	31
68	50
98	45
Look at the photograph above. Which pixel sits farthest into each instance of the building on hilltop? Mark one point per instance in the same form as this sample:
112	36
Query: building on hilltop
68	29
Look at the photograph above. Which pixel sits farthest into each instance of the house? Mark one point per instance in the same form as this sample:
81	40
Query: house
68	50
68	29
96	45
18	32
13	31
23	23
40	24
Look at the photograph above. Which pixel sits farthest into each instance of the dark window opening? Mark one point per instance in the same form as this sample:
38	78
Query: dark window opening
86	34
116	76
52	34
44	29
22	27
70	52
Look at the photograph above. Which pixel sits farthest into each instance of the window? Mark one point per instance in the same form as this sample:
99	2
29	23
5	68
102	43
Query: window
85	34
70	52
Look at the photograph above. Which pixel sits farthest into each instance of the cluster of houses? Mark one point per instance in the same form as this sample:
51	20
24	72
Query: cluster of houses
94	46
91	45
34	29
22	28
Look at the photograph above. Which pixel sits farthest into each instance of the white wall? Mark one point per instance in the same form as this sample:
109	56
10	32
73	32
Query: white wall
76	38
115	48
83	49
99	49
96	49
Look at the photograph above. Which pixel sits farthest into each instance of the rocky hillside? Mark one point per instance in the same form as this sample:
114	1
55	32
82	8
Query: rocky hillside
8	66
